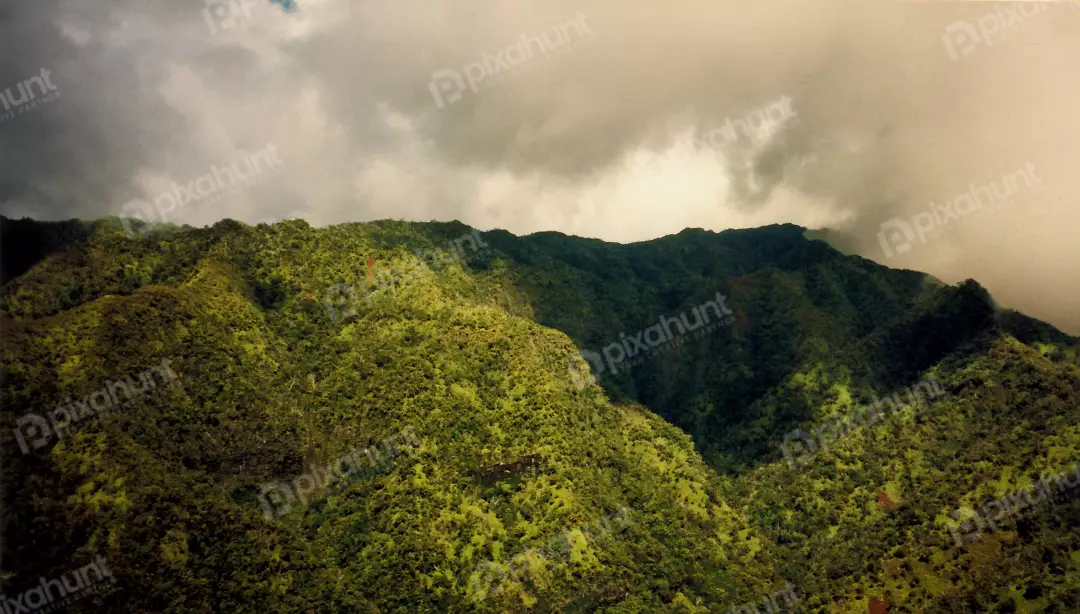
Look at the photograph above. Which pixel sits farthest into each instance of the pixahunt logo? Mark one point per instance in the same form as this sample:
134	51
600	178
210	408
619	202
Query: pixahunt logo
453	251
489	577
962	38
660	335
343	301
1013	504
220	181
224	14
278	498
24	98
448	85
52	595
759	125
66	416
896	235
799	454
772	602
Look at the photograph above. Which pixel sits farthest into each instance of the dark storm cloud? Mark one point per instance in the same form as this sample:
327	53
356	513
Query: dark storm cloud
609	130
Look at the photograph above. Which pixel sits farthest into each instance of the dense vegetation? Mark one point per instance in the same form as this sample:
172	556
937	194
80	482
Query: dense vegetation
294	346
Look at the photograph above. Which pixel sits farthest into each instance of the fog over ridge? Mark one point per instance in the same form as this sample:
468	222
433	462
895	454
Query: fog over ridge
618	126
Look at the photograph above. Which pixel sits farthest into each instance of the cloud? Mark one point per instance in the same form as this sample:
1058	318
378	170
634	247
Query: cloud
610	133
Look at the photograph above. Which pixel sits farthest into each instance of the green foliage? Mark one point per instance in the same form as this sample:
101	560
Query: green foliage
517	451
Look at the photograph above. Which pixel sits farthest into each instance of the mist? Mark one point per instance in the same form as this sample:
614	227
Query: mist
924	135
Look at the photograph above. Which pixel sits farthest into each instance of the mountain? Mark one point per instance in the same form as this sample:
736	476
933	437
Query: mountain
397	417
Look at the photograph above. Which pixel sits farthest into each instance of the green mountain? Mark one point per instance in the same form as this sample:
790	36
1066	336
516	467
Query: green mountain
401	417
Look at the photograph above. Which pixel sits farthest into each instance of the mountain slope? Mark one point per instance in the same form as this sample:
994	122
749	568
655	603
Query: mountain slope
800	308
496	475
508	455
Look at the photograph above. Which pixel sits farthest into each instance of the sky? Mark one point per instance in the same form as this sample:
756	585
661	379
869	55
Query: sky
941	137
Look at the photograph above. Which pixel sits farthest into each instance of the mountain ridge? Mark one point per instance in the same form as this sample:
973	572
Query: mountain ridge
294	345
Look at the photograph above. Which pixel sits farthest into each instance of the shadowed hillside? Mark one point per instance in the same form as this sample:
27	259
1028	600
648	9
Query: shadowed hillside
395	417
